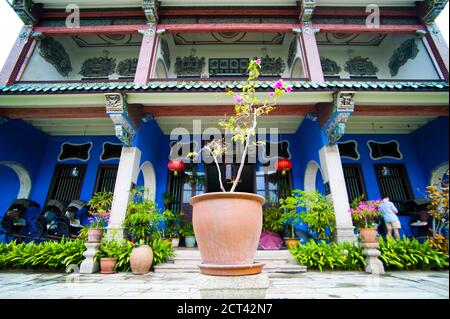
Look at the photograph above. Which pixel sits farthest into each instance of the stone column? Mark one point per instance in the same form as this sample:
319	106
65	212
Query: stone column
334	181
127	176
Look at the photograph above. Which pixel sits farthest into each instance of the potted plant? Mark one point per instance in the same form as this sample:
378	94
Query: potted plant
365	215
226	249
99	211
142	221
272	227
290	216
189	236
108	256
171	231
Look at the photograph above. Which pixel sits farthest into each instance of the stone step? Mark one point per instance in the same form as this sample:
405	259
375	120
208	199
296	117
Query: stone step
269	257
191	268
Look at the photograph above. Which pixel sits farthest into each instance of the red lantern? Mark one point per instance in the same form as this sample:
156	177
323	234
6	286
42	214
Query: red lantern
176	166
283	165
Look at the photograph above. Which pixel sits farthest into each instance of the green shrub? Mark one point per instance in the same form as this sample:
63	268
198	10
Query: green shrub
329	256
121	249
47	255
406	254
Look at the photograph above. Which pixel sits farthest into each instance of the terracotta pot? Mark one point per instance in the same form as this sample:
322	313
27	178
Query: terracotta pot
291	242
141	260
95	234
227	227
190	241
368	235
107	265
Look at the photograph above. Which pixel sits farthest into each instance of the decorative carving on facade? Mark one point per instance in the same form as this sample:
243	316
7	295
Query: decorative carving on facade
307	10
127	67
151	10
116	103
407	50
54	53
99	66
189	65
330	67
117	110
272	66
25	10
165	51
292	53
228	66
37	35
343	107
435	7
360	66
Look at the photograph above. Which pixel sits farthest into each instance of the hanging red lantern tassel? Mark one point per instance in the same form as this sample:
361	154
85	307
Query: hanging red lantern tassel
283	165
176	166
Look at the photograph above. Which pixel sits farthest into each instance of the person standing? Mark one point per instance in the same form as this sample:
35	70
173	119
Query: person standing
389	212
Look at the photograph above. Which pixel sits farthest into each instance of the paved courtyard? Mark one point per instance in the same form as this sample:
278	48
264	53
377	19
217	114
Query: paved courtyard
310	285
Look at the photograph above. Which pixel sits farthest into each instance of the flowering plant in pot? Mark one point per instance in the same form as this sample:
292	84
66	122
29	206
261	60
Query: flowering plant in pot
365	215
172	227
215	215
99	211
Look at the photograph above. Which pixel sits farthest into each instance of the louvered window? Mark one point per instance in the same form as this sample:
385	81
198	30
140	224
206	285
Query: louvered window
67	182
353	181
393	182
106	178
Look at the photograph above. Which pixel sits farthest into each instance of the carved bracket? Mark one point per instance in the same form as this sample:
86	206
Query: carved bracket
26	10
343	107
117	110
434	8
307	10
150	8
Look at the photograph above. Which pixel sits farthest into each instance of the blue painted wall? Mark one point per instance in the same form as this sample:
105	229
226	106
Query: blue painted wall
409	159
25	145
154	146
432	145
50	160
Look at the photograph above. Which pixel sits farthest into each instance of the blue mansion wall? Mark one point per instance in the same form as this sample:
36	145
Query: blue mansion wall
432	145
24	145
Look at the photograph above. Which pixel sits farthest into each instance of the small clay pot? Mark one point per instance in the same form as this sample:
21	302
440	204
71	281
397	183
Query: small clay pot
95	235
141	260
368	235
175	242
107	265
190	241
291	242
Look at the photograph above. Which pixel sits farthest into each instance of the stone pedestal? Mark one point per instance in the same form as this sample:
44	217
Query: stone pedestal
373	264
234	287
89	264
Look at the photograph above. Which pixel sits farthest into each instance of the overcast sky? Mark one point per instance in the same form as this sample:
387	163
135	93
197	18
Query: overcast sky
10	26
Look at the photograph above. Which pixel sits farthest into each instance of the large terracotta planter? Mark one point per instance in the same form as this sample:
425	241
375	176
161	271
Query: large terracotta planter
368	235
107	265
95	235
141	260
227	227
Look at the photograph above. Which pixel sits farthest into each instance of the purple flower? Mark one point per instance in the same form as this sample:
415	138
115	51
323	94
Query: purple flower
278	85
258	61
289	89
238	99
272	94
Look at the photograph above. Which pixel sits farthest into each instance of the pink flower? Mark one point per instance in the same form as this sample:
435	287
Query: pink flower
258	61
289	88
278	85
238	99
272	94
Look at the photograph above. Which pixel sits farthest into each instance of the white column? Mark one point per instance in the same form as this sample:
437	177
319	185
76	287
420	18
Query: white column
333	174
127	176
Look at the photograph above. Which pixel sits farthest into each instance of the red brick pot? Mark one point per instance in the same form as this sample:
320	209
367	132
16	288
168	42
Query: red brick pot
107	265
95	235
227	227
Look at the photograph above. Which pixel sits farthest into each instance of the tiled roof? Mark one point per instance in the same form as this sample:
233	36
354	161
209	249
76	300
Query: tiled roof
206	86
